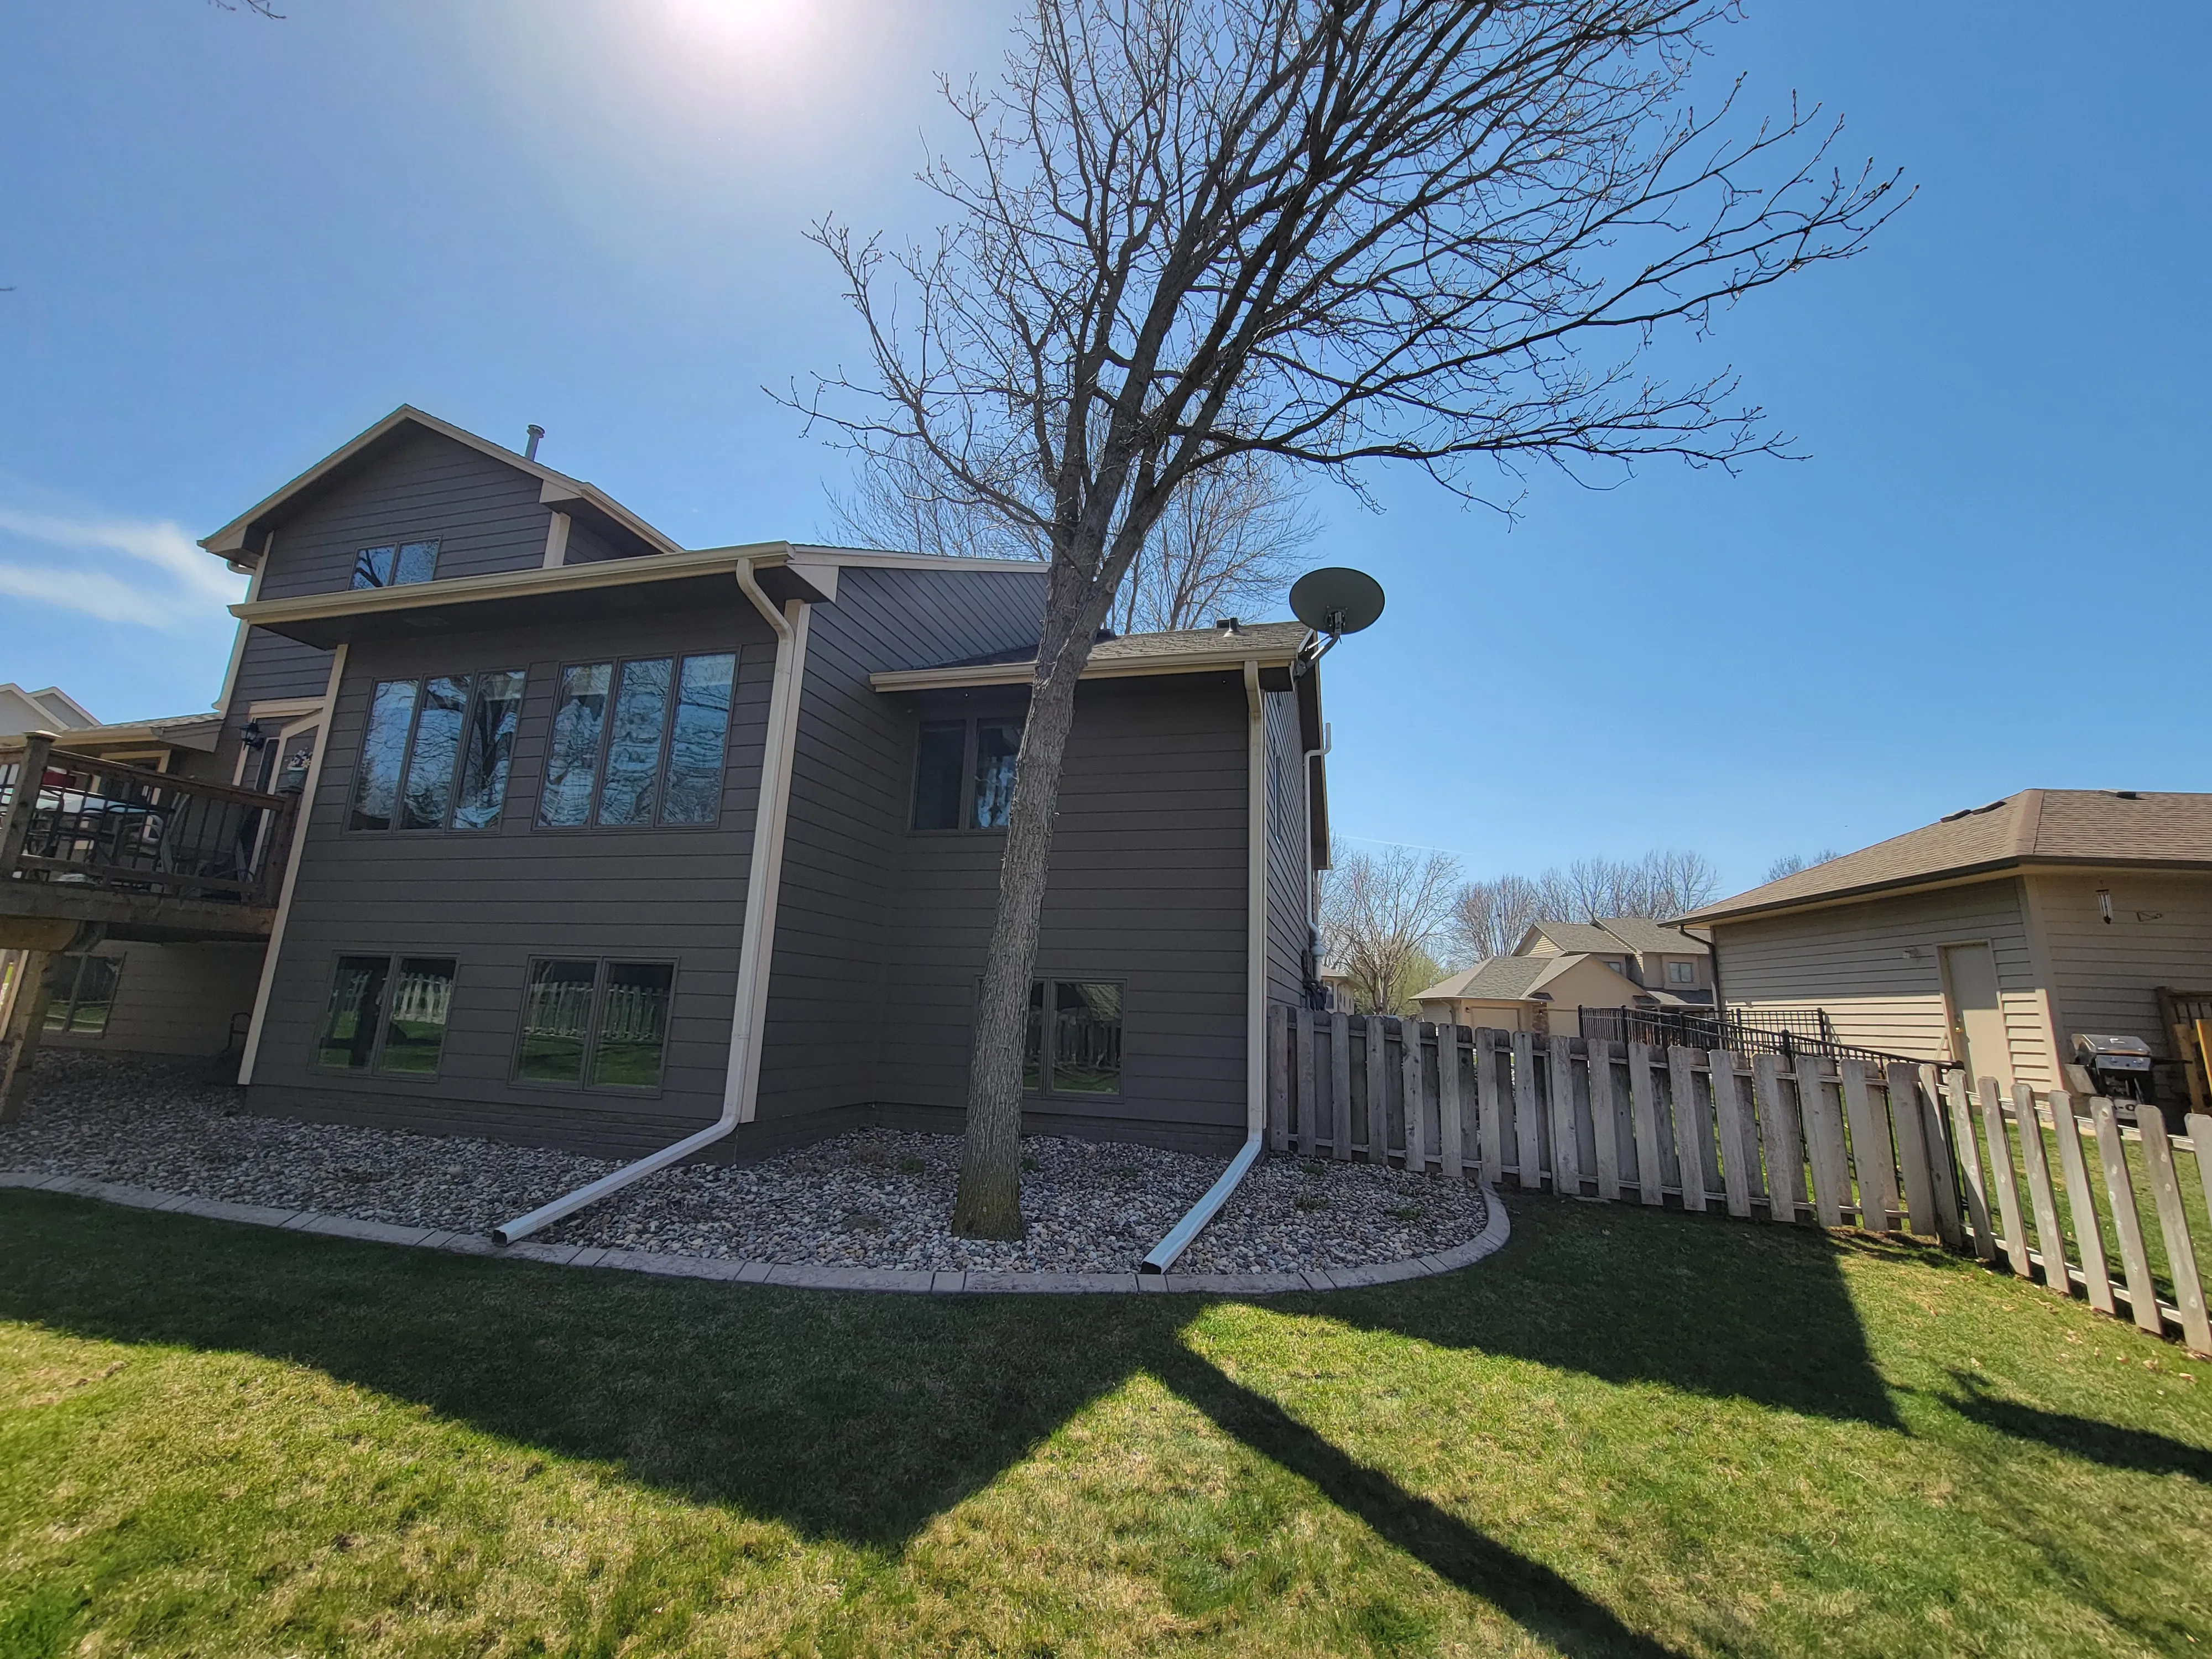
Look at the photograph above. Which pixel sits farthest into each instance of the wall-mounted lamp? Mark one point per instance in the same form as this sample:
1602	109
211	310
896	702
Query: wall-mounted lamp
253	737
2105	904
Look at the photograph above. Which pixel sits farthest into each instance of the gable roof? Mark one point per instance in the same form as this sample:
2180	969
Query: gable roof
1519	979
61	710
245	538
2034	827
1569	936
1609	935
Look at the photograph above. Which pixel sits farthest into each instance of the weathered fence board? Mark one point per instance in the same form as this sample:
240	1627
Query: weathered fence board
2048	1237
1309	1132
1939	1161
1528	1132
1739	1154
1785	1150
1378	1093
1823	1117
1340	1086
2173	1223
1559	1088
1449	1124
1870	1152
1907	1125
2001	1175
2127	1220
1970	1167
1644	1112
1604	1127
2082	1206
1690	1138
1278	1082
1490	1109
2200	1137
1409	1068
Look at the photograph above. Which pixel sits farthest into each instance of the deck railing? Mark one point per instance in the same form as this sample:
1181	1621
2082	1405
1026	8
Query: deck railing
76	820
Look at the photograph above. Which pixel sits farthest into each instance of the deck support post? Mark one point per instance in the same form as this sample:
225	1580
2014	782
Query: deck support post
19	1038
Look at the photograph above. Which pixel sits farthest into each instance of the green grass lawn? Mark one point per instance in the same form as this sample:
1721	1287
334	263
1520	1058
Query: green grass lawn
1628	1433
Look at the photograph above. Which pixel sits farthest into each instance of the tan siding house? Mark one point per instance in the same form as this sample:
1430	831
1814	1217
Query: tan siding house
1992	937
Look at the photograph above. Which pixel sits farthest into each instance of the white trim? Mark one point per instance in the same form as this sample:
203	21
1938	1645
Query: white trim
294	857
1023	673
284	708
870	558
557	540
1256	902
756	949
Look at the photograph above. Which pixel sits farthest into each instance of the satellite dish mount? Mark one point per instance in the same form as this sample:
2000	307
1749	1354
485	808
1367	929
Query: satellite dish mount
1332	601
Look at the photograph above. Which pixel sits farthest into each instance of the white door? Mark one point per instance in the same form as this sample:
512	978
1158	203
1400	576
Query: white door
1977	1027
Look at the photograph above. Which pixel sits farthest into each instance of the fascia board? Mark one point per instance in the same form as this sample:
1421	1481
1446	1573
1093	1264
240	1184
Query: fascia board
1022	673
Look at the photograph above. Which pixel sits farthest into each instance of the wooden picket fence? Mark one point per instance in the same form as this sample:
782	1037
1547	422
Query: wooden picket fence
1902	1147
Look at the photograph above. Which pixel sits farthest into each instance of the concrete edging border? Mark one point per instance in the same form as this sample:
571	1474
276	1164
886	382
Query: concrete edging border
910	1280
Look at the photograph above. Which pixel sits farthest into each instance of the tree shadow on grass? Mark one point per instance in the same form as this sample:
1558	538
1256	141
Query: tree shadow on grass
1708	1306
2107	1444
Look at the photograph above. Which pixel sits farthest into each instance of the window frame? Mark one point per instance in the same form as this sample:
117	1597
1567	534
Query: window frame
475	677
68	1006
1679	972
969	748
398	544
1044	1090
591	825
374	1070
583	1084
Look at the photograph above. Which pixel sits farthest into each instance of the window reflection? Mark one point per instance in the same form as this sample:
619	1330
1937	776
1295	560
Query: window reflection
382	748
490	750
428	795
1086	1038
698	736
572	761
634	749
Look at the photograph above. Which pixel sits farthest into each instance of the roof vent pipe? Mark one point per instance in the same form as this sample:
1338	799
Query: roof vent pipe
530	449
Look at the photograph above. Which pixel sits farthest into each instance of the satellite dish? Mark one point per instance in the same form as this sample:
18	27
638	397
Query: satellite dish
1336	600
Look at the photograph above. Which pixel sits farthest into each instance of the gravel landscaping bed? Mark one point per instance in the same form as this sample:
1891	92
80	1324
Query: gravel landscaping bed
875	1197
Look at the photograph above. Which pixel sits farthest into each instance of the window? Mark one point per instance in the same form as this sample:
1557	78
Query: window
436	752
1682	973
1075	1045
387	1014
597	1025
82	994
395	564
963	773
639	742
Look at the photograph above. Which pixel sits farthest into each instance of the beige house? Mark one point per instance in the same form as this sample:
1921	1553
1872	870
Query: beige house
51	710
1991	937
1539	993
1653	956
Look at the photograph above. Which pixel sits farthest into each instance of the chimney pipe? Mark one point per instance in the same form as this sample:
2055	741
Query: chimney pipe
530	449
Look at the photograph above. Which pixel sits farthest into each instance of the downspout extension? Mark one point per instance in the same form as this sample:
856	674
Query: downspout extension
741	1084
1162	1256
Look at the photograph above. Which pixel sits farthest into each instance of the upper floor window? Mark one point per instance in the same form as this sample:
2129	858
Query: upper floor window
963	773
395	564
436	752
639	742
1682	973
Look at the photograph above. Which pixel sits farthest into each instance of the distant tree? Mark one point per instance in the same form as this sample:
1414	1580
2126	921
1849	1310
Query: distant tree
1381	914
1488	918
263	7
1790	863
1440	233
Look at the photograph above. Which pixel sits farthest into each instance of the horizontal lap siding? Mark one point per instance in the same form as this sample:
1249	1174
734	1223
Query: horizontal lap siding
1851	961
1147	886
494	899
850	779
2104	977
271	669
1287	852
174	999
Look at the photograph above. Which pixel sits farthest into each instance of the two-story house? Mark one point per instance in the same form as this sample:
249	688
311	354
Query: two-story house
602	839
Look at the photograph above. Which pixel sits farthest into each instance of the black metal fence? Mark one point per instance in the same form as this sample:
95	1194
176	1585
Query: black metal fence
1788	1033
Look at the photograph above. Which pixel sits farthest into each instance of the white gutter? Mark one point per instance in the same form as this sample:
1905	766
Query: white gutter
756	945
1162	1256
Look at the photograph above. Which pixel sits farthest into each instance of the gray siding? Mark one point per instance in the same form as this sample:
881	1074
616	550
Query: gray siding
270	668
848	813
485	515
1288	859
495	899
174	999
1147	886
585	545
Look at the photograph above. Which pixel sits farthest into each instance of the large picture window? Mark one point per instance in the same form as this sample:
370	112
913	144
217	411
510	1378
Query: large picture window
436	752
395	564
963	773
599	1024
639	742
387	1014
80	993
1075	1045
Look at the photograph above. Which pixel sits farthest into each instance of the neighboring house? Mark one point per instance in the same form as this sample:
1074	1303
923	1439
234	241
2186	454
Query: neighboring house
1992	937
1337	997
1541	992
599	834
51	710
1657	956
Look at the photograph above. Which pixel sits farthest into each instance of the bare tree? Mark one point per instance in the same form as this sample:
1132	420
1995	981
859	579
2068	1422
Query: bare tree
1225	546
1790	863
1489	917
1380	913
1329	231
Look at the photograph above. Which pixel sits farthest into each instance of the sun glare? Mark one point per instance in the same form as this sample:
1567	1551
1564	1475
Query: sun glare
756	25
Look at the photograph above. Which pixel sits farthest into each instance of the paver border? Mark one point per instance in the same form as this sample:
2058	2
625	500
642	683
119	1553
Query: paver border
925	1281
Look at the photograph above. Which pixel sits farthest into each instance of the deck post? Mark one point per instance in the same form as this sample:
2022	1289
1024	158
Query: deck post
18	1039
30	777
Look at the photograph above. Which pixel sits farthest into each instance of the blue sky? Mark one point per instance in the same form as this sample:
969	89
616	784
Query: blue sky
234	243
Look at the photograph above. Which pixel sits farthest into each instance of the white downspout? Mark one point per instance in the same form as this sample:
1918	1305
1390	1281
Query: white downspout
756	945
1162	1256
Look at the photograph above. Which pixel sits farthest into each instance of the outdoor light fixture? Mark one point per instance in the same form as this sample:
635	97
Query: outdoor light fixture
253	737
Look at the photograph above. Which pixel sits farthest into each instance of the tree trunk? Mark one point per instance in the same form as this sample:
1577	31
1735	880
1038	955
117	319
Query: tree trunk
989	1201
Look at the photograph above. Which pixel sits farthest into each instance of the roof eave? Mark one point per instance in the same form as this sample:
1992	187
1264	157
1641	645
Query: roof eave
1022	673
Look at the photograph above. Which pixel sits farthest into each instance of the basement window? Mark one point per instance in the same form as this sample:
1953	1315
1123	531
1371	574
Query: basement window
436	752
81	991
1074	1040
639	742
387	1014
963	773
395	564
589	1024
